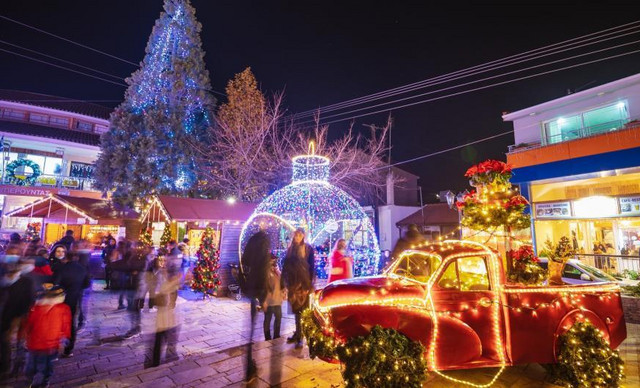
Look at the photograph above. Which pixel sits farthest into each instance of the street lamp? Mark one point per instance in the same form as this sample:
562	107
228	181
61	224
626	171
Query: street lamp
450	198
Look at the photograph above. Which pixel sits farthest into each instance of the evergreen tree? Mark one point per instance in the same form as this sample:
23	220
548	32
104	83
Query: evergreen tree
205	273
167	109
145	237
166	237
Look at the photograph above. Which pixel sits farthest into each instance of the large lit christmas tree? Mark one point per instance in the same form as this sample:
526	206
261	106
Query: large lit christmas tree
205	273
167	108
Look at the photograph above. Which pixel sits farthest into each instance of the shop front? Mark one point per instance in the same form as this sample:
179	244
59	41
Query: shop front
89	218
600	216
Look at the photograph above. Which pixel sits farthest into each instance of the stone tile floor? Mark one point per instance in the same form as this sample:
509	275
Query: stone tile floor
212	353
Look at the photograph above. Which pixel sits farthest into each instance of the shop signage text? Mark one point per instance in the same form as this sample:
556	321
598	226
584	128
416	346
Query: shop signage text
553	210
629	205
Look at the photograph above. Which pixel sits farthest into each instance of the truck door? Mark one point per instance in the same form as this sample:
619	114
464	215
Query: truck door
461	292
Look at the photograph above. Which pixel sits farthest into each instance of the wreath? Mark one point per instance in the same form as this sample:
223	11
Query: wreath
22	180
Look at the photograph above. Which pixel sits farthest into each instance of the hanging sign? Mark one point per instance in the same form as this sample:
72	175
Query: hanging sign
629	205
553	210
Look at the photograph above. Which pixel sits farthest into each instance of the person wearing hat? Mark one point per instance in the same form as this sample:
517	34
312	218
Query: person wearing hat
48	322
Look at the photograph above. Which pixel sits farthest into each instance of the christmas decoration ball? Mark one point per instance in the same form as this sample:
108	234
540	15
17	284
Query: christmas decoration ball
326	213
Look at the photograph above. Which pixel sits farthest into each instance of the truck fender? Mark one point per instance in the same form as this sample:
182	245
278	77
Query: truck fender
573	316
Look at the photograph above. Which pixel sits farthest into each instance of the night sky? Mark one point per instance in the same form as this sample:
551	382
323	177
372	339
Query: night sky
326	52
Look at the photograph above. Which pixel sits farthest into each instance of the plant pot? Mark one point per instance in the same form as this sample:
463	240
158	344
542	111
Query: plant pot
555	273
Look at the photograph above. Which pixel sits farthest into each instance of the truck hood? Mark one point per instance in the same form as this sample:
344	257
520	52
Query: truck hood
371	289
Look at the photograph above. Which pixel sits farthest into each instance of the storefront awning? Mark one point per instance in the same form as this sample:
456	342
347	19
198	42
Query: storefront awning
436	214
165	208
74	210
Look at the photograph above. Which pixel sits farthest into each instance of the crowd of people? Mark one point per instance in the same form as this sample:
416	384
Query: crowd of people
43	293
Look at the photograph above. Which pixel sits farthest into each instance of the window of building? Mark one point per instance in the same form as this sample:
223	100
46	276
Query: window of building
101	128
592	122
84	126
14	114
52	166
59	121
38	118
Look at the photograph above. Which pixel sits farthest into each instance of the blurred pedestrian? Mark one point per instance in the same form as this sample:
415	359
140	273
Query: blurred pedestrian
48	322
67	240
58	253
83	248
73	278
167	319
17	294
33	247
15	243
151	279
254	267
107	258
411	237
131	267
341	264
122	252
273	302
298	272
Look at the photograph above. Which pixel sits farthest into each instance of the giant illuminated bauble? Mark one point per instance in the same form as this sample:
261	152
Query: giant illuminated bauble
324	211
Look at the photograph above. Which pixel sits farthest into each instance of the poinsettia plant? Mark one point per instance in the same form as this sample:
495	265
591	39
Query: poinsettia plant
526	269
489	171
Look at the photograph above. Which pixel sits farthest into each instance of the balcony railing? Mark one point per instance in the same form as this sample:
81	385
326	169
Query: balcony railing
580	133
612	264
60	182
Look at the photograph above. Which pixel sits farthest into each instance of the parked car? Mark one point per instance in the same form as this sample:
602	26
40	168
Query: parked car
576	272
454	299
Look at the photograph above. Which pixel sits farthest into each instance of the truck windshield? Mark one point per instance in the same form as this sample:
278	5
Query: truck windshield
416	266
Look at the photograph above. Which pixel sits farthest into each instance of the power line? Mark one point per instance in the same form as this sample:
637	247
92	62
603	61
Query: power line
486	86
479	80
61	60
68	40
63	67
446	150
475	69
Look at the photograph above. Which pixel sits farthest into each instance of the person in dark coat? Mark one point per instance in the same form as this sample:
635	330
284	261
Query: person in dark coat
298	274
57	255
411	237
17	294
67	240
132	267
254	267
83	249
107	255
73	278
15	243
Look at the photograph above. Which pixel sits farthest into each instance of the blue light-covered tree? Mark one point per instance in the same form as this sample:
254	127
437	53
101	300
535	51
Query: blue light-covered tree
150	146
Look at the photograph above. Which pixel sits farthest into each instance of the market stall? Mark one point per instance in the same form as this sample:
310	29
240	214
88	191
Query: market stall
89	218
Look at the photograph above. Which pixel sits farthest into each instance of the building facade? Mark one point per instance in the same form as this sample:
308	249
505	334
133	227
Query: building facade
49	146
577	160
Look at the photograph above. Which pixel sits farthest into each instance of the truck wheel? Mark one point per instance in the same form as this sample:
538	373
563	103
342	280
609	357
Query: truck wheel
383	358
585	359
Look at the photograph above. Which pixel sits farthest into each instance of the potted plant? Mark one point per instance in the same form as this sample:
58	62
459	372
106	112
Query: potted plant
558	256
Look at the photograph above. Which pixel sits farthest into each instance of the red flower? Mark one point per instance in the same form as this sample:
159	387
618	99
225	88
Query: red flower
525	252
488	166
516	200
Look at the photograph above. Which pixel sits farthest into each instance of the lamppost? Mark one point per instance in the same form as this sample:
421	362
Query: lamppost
451	201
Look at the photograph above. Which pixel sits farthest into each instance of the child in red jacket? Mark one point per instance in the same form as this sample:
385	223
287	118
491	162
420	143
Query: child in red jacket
49	321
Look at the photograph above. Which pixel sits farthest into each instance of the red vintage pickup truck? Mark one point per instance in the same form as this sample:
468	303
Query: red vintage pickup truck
453	298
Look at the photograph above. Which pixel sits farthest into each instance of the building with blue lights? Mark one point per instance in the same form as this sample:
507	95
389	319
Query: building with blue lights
577	160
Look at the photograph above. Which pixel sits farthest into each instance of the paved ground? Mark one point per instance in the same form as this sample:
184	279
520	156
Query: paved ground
212	353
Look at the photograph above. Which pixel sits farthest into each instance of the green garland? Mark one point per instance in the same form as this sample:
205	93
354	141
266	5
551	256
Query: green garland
383	358
586	360
27	181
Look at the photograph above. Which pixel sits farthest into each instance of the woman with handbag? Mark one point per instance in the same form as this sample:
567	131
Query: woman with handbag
298	274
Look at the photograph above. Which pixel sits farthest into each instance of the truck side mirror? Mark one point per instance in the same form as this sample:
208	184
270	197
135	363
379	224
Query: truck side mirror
585	277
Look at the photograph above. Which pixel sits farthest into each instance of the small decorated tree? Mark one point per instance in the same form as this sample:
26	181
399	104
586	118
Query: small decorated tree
526	269
494	207
205	274
145	237
558	256
33	231
166	236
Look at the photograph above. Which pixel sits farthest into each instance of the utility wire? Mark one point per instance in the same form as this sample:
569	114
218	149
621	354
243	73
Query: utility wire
68	40
478	80
64	68
61	60
474	70
445	150
485	86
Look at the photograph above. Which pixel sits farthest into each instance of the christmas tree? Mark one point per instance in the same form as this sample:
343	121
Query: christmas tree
145	237
167	108
166	237
33	231
205	274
